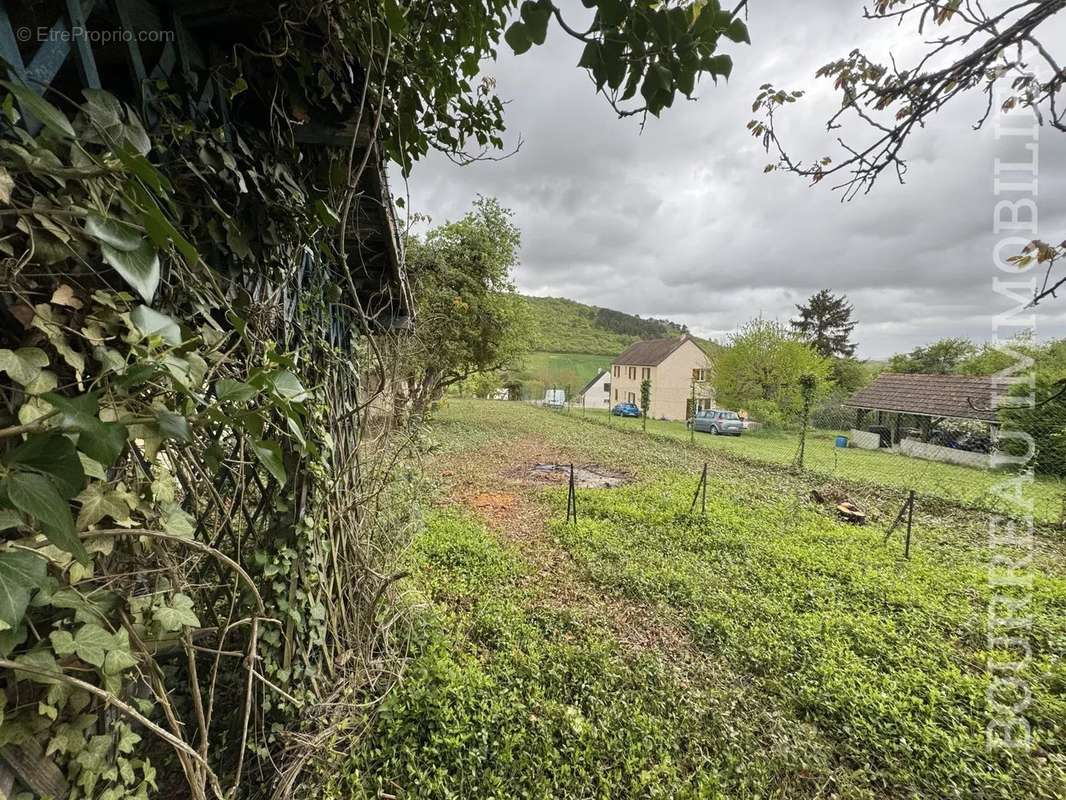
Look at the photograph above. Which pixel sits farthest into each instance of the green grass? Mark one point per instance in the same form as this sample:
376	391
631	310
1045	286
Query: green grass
544	370
977	487
822	665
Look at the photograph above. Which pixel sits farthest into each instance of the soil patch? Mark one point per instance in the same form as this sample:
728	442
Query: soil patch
588	476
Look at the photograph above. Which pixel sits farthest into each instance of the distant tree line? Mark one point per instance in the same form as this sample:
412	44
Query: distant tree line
631	325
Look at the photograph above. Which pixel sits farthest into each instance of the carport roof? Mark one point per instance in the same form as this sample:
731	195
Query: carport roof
955	396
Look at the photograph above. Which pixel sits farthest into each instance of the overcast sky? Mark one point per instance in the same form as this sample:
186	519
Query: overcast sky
680	222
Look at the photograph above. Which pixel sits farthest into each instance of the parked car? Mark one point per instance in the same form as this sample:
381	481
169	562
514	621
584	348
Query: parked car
715	422
626	410
555	398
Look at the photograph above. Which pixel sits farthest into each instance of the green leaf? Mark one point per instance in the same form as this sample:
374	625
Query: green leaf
37	496
139	268
269	455
10	519
738	31
150	322
50	116
98	502
54	455
62	643
23	365
101	441
91	644
535	15
288	386
176	614
234	391
39	659
325	214
173	426
113	232
20	573
718	65
118	661
518	37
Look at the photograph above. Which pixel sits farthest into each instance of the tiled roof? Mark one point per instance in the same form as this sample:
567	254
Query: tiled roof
648	354
958	396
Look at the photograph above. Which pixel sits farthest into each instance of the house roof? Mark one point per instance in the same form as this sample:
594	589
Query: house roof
649	353
599	374
956	396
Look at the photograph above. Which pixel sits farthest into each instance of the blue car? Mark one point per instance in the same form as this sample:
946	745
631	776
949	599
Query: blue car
626	410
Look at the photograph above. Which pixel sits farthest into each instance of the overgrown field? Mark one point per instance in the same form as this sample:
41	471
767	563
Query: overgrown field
762	650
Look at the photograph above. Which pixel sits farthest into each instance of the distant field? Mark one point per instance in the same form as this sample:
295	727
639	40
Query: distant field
562	370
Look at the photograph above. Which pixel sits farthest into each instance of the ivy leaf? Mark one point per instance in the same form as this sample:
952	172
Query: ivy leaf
101	441
20	573
50	116
98	502
62	643
118	661
150	322
10	519
39	659
23	365
288	387
113	232
173	426
518	37
177	614
52	454
38	497
269	455
139	268
91	644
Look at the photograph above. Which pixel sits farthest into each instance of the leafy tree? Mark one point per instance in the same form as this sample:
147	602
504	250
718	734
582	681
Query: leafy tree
850	374
470	320
942	357
1004	51
645	402
825	322
760	370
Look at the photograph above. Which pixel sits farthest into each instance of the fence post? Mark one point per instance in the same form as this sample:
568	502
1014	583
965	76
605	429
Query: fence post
571	498
701	489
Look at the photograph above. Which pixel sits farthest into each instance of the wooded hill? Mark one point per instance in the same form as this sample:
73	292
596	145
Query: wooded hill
566	326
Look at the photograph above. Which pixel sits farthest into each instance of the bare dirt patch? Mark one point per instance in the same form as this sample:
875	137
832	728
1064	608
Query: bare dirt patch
586	476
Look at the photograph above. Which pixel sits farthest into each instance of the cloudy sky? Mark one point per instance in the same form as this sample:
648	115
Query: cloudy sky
680	222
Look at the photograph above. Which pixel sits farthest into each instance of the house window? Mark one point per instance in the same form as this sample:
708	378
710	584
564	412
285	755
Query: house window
645	374
615	394
699	375
618	372
632	398
632	373
607	388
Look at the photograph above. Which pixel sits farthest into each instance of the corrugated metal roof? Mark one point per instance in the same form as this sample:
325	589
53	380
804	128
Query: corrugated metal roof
957	396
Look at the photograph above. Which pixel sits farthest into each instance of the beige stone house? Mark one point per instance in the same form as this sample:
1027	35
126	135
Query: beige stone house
673	366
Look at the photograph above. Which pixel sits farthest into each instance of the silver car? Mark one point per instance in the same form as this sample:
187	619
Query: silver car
715	422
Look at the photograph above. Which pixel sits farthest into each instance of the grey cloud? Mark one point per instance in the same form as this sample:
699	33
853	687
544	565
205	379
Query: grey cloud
679	220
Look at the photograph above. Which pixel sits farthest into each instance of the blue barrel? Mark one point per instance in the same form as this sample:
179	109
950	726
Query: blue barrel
842	441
